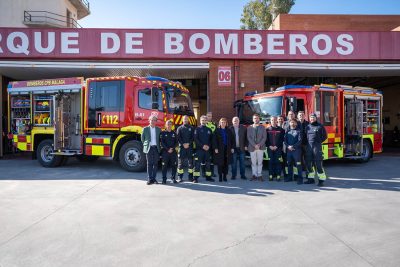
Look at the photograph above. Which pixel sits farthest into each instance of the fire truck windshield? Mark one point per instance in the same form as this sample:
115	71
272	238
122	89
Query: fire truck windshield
178	101
266	107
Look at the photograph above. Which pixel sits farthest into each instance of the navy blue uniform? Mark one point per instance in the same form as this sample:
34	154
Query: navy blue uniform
275	136
302	126
168	140
293	137
316	135
202	136
185	135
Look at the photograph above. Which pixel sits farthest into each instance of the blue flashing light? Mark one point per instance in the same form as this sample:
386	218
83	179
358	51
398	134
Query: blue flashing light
155	78
250	93
285	87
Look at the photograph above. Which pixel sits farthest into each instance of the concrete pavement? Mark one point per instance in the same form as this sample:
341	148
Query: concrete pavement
96	214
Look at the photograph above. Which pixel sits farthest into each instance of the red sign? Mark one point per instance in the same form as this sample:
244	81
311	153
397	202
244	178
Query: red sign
117	44
46	82
224	76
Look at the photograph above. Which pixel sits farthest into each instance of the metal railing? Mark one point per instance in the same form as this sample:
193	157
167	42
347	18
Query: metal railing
86	3
49	18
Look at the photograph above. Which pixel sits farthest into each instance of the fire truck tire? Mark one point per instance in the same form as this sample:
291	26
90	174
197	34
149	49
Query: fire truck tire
86	158
43	154
131	156
367	151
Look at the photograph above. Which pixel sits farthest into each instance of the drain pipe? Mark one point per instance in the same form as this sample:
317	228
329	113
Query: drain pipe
236	70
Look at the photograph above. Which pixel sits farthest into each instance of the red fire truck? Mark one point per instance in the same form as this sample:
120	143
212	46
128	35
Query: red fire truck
97	117
352	116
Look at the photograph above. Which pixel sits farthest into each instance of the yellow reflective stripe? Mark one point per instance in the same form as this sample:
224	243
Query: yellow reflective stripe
295	171
197	174
89	140
15	138
180	171
208	173
190	170
28	139
97	150
331	135
322	176
22	146
107	141
337	139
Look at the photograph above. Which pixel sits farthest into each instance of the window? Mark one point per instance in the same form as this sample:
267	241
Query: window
329	108
145	99
109	96
299	105
317	106
178	101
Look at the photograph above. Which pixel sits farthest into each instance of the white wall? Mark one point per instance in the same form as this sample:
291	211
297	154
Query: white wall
12	11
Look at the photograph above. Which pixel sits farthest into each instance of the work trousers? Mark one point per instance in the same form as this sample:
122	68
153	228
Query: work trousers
168	160
274	164
314	159
294	160
185	160
257	162
202	156
152	158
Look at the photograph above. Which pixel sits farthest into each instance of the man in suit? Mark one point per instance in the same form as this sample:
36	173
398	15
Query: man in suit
240	143
151	147
256	136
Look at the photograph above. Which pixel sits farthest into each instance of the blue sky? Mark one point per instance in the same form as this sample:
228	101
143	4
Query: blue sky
211	14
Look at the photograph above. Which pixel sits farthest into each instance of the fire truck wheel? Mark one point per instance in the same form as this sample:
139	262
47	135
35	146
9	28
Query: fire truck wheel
85	158
131	156
367	151
44	156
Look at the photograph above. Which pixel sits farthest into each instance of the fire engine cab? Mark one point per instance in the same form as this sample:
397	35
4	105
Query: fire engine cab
352	116
97	117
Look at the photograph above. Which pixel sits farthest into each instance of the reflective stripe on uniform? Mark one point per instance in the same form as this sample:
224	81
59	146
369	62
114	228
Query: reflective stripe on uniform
180	171
196	174
208	173
190	170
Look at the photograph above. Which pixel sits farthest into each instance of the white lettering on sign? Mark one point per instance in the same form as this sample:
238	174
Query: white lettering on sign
51	42
252	44
69	39
134	39
227	45
1	50
18	43
193	40
316	47
297	41
345	40
224	76
173	43
183	44
274	41
105	38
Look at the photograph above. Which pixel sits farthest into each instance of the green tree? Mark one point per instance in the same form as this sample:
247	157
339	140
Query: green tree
258	14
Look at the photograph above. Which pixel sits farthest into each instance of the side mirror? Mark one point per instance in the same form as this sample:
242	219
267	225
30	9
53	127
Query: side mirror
293	103
154	97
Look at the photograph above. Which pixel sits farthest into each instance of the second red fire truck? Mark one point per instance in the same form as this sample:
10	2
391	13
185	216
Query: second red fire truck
352	116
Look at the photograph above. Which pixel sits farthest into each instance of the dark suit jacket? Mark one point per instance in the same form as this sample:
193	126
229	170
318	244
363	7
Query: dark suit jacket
242	137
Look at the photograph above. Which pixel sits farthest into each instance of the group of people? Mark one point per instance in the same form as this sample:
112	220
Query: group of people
293	146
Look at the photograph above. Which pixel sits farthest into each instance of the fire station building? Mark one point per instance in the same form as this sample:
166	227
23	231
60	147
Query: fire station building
217	66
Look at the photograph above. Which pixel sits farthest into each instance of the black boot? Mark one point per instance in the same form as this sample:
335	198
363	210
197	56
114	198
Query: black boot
320	183
164	180
220	177
173	180
208	178
310	181
224	178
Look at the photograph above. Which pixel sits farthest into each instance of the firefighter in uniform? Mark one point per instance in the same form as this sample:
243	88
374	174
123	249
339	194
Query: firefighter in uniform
185	135
169	142
274	145
316	135
290	116
213	126
293	142
203	140
302	124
